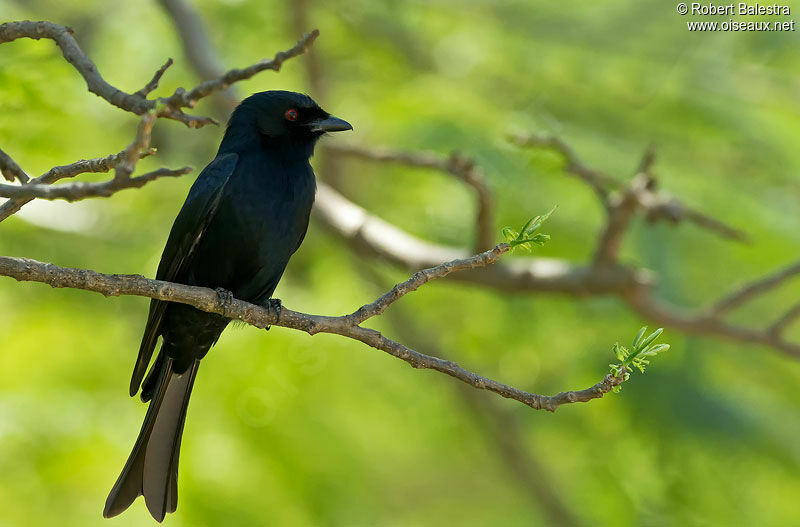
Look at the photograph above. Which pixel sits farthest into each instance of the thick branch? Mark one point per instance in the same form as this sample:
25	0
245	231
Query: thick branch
703	324
376	237
23	269
372	236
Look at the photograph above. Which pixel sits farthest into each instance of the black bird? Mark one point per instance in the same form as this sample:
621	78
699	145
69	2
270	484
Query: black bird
244	217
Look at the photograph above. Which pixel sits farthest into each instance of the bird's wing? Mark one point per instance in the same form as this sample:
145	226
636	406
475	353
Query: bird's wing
187	231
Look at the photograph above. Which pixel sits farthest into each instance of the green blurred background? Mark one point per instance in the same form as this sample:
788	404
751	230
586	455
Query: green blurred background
289	430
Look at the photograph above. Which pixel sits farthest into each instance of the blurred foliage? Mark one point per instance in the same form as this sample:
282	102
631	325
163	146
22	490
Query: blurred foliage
286	430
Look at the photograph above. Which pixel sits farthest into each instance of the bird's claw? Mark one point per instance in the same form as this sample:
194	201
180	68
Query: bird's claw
274	305
225	298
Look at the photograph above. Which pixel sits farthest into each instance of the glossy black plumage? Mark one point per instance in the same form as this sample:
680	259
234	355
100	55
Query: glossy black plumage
244	217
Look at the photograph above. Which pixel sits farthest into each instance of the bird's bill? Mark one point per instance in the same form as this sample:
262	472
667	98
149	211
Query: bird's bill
329	124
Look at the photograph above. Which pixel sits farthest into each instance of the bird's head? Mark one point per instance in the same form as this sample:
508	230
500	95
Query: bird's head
280	119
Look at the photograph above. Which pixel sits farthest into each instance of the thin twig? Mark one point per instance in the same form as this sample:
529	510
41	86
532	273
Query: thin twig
785	321
655	205
753	289
373	236
424	276
198	49
500	423
702	324
206	88
168	107
80	190
11	170
102	164
598	181
153	84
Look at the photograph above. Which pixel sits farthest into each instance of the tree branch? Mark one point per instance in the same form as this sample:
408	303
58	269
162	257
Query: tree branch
785	321
499	423
375	237
168	107
424	276
369	234
621	210
656	205
11	170
372	236
78	191
102	164
153	84
181	98
457	165
73	54
124	164
197	47
757	288
703	324
23	269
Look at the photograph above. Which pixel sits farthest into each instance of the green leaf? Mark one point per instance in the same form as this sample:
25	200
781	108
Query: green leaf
639	336
510	234
524	230
523	246
635	358
525	237
533	225
540	239
653	336
655	350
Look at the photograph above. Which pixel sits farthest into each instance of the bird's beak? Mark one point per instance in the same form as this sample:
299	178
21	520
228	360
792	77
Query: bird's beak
329	124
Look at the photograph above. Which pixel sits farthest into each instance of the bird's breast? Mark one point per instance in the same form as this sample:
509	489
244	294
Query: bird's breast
260	221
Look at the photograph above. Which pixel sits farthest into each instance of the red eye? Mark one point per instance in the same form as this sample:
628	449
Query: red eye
291	115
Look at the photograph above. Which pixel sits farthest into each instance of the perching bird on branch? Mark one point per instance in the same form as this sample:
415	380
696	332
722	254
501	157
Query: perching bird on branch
244	217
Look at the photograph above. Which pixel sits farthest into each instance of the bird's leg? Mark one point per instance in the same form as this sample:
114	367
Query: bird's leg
274	305
225	298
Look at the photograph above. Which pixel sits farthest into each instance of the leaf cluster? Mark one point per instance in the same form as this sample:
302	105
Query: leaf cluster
637	356
526	237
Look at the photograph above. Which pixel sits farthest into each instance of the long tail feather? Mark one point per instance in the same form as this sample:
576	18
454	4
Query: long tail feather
152	468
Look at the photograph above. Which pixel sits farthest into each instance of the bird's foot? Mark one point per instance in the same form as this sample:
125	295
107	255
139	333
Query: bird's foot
274	305
225	299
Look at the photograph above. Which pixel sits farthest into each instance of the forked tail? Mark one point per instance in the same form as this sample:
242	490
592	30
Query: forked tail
152	468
